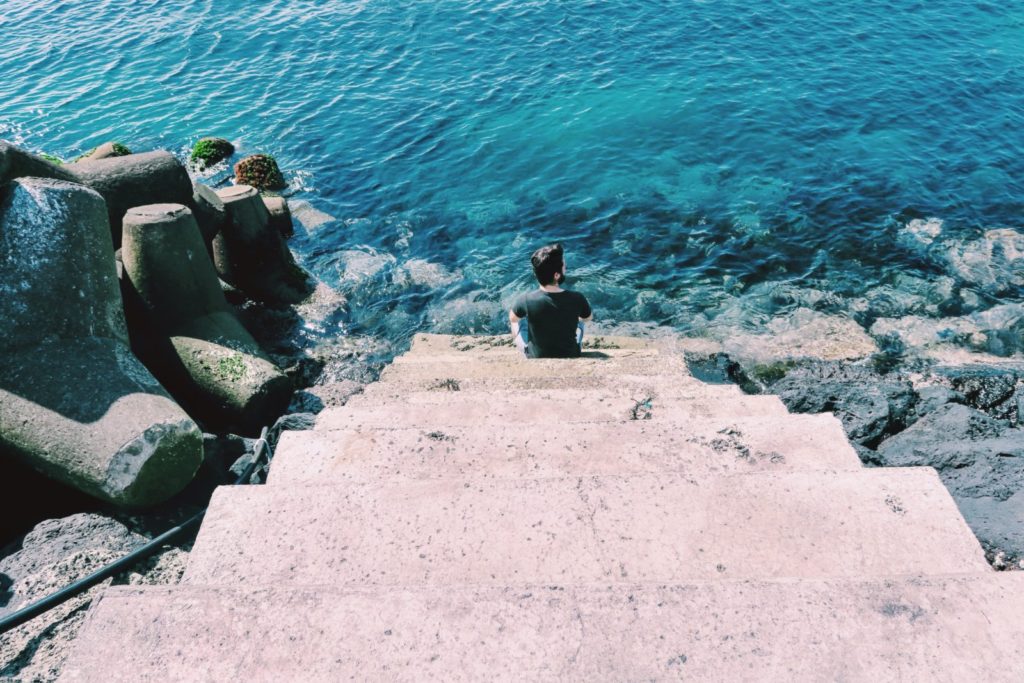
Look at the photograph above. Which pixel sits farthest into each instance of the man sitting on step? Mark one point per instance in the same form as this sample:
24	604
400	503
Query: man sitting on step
554	316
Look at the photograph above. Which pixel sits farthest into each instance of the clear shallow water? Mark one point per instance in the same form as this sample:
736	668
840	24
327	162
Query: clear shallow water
685	152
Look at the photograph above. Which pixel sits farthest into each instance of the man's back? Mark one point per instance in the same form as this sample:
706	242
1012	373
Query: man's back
552	319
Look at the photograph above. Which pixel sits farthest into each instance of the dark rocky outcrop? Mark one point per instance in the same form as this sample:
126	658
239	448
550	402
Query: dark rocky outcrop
135	180
183	328
251	255
869	405
981	461
74	402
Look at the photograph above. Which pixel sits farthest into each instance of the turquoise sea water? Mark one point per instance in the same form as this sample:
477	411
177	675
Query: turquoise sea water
685	152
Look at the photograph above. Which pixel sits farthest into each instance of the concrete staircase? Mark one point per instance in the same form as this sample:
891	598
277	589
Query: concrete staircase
477	516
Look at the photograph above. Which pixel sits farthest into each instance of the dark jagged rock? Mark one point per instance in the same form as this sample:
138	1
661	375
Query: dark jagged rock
185	330
868	404
981	461
251	255
74	402
135	180
17	163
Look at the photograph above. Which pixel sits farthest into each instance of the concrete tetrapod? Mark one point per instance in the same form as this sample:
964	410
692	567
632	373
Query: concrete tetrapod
17	163
135	180
74	402
251	254
186	332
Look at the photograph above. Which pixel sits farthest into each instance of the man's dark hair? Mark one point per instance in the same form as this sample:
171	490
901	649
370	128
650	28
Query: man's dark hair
546	262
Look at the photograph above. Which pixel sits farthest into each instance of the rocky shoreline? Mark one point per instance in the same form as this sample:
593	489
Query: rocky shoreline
920	372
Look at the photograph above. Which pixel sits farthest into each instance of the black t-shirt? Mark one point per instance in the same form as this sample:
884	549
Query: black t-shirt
551	318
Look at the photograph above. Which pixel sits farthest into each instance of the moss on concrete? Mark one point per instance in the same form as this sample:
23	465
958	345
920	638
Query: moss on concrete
232	367
208	151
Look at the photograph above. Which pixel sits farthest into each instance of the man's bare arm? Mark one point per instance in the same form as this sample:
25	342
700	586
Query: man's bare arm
513	321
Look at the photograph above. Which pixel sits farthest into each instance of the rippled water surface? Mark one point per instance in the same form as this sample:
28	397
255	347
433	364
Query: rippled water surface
685	152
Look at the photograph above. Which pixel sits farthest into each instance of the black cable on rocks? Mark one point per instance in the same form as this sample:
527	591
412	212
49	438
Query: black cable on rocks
25	614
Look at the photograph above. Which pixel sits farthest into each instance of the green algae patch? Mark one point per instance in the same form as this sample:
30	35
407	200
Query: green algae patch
259	171
209	151
52	159
113	149
232	367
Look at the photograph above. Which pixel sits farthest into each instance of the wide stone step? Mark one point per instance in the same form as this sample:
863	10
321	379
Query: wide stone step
944	628
653	384
649	528
483	346
630	394
700	449
540	409
515	357
660	366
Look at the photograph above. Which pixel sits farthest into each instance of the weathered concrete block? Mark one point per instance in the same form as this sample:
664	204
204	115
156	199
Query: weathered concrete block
185	329
280	215
74	402
17	163
135	180
251	255
209	213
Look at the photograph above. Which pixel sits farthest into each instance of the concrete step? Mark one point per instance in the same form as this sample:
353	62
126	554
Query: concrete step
664	367
478	346
512	356
653	384
537	408
632	394
701	449
942	628
656	528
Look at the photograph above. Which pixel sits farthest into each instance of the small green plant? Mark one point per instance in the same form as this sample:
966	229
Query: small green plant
232	367
259	171
52	159
117	150
208	151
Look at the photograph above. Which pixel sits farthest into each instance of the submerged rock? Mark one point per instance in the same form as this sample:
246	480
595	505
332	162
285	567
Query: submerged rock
993	263
74	402
802	334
